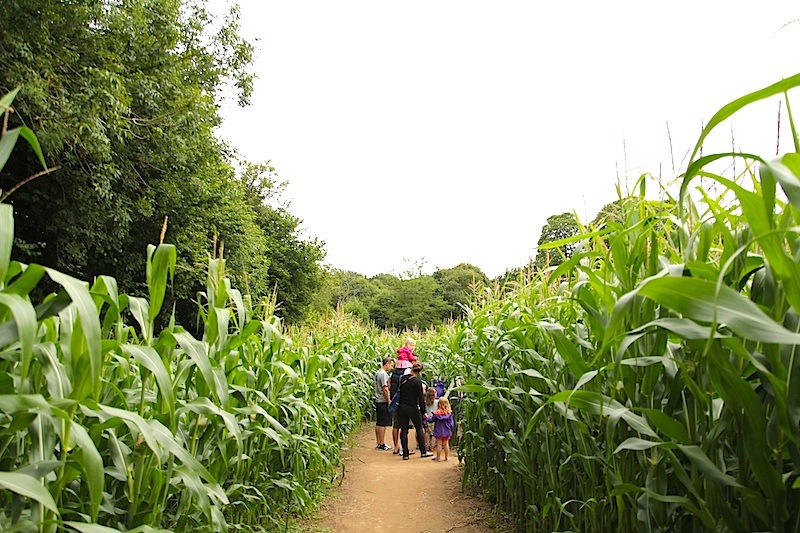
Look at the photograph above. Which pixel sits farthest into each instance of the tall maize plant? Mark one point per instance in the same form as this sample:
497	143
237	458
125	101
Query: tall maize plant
652	381
110	422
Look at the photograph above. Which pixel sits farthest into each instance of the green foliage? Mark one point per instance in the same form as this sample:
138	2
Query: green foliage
417	301
416	304
124	97
108	419
646	380
293	271
456	285
649	381
611	212
557	228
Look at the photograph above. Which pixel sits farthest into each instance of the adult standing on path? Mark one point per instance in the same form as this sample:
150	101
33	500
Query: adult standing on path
405	358
412	409
383	418
398	374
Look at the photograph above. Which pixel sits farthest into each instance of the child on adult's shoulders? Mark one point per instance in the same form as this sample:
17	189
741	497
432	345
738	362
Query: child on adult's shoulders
405	354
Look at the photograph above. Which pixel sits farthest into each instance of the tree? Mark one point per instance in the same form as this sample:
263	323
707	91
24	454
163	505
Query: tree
407	302
418	303
351	291
558	227
383	306
292	264
455	286
123	96
611	212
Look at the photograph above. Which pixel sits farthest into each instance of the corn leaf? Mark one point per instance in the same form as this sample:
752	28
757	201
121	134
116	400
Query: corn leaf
704	464
150	359
729	109
7	142
704	301
90	321
27	134
90	460
6	239
28	487
599	404
25	318
160	266
8	98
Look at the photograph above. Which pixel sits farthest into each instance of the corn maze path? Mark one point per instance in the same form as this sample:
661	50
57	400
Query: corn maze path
381	493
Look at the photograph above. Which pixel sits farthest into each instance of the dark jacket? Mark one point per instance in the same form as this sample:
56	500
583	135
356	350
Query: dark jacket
411	392
394	379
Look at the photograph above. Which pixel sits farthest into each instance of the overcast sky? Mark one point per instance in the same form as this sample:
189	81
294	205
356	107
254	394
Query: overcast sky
449	131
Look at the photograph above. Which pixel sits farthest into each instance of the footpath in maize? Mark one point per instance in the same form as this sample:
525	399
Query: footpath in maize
381	493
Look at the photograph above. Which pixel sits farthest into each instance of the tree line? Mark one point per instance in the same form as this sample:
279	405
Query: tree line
416	301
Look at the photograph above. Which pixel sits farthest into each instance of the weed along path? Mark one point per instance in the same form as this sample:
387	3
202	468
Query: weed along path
381	493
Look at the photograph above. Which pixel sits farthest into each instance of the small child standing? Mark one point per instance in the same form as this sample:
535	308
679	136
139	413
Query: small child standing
430	407
443	428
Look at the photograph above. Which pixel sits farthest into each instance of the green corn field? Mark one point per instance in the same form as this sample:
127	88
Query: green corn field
106	420
651	382
110	422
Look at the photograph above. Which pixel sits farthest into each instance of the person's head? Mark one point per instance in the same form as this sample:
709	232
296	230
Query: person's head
430	395
444	404
388	363
416	368
409	342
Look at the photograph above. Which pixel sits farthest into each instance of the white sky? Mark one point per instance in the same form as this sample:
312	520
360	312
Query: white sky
449	131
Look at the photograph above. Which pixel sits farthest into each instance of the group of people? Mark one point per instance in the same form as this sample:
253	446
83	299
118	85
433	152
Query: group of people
419	405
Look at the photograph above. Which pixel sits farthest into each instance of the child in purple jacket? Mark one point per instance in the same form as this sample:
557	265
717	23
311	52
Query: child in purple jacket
443	428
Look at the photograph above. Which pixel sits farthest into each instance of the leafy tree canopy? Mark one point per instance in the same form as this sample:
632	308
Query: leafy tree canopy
456	284
558	227
410	301
124	98
611	212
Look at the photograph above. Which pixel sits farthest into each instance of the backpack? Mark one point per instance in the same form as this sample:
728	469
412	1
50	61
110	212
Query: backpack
394	380
440	387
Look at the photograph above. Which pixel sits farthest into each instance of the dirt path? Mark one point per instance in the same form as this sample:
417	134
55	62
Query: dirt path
367	499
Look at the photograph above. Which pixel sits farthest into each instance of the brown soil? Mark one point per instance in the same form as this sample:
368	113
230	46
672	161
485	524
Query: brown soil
368	498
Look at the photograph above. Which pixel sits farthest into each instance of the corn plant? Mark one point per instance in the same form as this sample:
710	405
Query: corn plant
108	421
649	383
8	139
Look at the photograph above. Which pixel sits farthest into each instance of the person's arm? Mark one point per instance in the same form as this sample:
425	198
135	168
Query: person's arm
386	391
421	398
